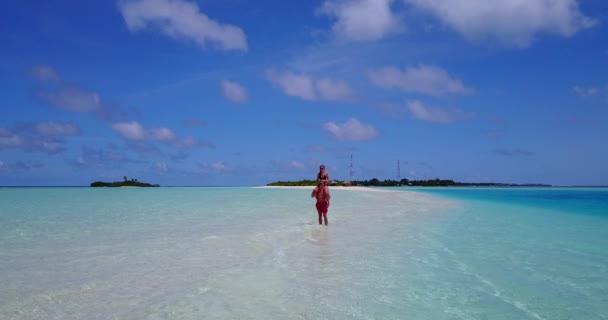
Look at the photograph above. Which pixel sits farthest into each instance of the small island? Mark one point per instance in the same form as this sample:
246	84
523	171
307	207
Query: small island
125	183
405	183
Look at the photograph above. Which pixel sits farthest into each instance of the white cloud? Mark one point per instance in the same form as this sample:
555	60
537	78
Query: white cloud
297	165
187	142
214	167
130	130
423	79
333	90
421	112
56	129
309	88
134	131
297	85
31	143
162	134
49	146
587	92
71	98
598	93
161	167
190	142
361	20
44	73
217	166
234	92
352	129
432	114
181	20
509	22
9	139
91	158
28	165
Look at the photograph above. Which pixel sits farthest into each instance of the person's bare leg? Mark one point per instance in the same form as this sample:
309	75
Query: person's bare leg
320	221
315	192
325	217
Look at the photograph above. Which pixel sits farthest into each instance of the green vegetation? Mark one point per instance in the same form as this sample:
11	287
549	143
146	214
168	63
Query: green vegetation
303	183
125	183
373	182
404	183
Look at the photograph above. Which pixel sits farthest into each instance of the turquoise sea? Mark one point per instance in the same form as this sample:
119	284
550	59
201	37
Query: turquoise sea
258	253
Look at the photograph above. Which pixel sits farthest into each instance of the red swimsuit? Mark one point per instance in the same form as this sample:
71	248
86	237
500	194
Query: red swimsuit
322	206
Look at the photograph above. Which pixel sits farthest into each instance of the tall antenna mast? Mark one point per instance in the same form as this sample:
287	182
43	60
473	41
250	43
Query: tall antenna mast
398	171
351	167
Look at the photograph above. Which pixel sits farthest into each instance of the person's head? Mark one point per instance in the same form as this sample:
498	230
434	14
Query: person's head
322	168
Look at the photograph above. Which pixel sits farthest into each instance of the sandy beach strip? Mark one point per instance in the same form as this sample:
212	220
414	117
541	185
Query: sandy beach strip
366	189
403	193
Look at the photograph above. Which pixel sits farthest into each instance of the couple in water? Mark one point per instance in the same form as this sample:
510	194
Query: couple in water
321	193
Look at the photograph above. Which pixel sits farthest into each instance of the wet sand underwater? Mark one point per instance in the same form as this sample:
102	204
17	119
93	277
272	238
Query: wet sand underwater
258	253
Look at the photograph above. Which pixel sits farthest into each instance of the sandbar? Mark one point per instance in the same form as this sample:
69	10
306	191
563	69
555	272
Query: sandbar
366	189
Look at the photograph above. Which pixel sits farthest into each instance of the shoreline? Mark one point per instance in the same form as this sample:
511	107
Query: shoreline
355	188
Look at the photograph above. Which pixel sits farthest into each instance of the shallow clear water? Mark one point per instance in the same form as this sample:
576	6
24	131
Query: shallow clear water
541	252
250	253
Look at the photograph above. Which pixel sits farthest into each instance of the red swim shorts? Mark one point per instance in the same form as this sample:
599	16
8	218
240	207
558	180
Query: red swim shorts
322	206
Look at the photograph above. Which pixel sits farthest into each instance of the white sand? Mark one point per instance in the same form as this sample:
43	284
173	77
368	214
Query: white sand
367	189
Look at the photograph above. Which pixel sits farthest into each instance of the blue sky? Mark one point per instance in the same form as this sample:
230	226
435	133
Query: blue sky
236	92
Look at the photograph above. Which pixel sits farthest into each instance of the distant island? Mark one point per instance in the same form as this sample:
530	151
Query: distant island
405	183
125	183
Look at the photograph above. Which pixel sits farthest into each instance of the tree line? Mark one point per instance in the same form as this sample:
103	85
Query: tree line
404	183
373	182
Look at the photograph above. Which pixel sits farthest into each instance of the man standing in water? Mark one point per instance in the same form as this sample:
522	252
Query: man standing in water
321	193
